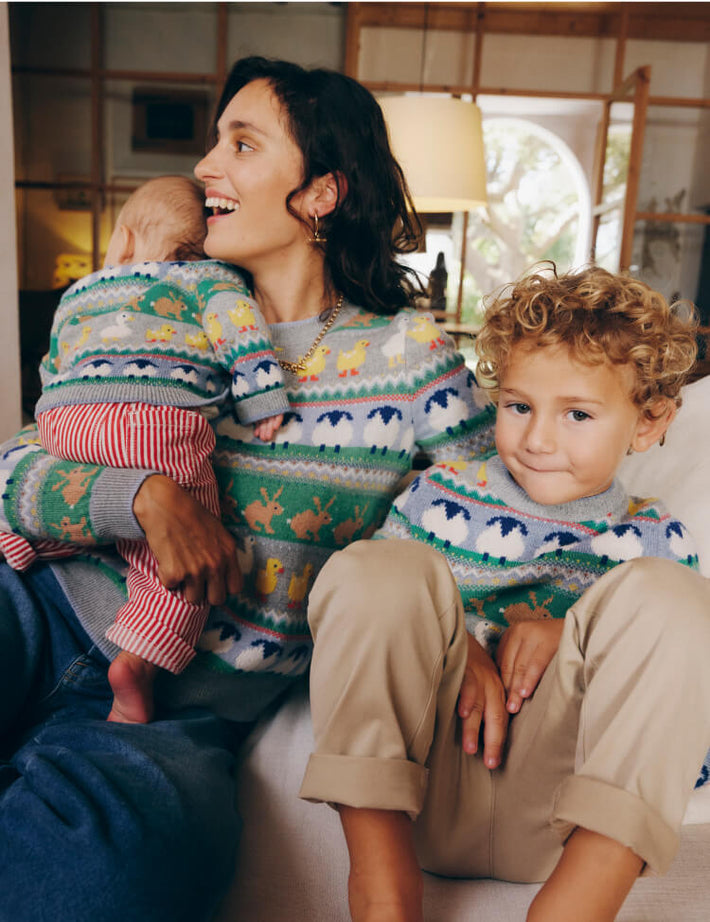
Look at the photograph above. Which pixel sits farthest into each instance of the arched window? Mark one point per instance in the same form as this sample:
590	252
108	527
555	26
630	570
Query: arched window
539	207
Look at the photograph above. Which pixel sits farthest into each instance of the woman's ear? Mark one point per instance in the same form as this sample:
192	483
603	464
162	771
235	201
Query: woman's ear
652	429
325	193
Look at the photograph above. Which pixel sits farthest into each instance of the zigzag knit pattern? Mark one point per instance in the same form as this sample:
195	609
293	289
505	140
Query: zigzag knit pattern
515	560
375	392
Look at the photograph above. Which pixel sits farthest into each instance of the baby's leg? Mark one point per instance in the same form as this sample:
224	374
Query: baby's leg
131	680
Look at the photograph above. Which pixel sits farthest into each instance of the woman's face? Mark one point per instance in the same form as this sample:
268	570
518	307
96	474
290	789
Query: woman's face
247	175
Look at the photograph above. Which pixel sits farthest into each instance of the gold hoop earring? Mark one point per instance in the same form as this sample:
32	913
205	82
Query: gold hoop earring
316	238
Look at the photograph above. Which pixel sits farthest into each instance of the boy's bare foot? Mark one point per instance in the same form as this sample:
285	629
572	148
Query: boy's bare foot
131	679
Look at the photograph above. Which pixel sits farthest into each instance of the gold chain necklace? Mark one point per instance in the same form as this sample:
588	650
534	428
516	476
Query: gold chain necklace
300	365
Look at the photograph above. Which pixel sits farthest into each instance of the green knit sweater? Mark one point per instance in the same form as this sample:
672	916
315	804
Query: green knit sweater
377	391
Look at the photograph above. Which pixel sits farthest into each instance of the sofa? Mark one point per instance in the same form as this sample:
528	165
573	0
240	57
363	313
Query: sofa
293	863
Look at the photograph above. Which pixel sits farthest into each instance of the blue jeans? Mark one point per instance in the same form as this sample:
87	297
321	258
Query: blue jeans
101	821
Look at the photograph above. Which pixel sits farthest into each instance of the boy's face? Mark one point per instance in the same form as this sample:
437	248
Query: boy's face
563	427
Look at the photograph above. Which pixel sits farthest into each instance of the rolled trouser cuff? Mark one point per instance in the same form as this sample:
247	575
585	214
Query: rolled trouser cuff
618	814
355	781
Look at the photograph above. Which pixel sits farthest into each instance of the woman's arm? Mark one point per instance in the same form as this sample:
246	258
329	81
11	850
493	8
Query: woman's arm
47	498
452	416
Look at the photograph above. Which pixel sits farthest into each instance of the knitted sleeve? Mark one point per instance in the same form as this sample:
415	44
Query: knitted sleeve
656	533
44	497
452	416
240	338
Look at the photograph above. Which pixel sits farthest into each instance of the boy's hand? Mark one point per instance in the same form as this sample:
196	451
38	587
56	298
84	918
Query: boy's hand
482	702
524	653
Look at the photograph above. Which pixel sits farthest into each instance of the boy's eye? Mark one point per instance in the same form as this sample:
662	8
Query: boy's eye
519	407
579	415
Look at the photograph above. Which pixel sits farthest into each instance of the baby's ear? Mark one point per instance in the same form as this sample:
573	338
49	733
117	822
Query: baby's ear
122	247
651	429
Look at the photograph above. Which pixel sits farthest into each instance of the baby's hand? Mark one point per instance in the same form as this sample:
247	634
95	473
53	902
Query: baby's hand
266	429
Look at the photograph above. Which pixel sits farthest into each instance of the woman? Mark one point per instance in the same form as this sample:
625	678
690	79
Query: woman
114	821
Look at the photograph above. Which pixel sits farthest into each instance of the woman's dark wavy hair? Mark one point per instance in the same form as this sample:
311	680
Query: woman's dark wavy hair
339	128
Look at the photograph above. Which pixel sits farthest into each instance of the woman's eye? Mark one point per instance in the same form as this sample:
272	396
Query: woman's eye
579	415
242	147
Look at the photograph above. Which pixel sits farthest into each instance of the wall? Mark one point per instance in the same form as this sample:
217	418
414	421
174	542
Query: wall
53	116
10	416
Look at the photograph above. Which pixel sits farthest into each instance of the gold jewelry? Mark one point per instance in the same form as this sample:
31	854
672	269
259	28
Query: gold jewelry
316	238
300	366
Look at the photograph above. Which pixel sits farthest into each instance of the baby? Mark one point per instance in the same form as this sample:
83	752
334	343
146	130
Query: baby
141	354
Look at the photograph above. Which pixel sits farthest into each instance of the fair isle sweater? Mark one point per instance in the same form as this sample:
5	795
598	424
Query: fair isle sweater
377	390
177	334
516	560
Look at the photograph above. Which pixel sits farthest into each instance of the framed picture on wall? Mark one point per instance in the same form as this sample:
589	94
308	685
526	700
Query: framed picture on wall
169	121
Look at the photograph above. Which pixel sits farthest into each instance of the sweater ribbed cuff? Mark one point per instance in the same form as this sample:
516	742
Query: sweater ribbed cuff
111	506
260	406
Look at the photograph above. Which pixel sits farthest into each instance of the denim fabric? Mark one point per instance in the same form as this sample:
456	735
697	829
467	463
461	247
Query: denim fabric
101	821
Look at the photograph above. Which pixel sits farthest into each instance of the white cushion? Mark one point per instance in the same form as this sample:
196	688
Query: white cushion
678	472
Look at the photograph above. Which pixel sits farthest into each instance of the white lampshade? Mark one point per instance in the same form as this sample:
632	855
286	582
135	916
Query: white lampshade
439	144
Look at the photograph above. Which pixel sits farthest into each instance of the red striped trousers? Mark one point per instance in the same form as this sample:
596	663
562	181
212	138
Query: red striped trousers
156	623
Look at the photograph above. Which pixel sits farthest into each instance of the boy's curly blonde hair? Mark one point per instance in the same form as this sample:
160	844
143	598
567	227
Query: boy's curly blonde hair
599	317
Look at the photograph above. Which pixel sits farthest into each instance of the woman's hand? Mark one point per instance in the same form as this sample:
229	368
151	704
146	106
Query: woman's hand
482	702
524	653
195	552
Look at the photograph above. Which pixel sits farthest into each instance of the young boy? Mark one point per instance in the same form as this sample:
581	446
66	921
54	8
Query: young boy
140	354
584	368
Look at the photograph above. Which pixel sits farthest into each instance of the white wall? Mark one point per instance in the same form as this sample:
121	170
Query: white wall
10	414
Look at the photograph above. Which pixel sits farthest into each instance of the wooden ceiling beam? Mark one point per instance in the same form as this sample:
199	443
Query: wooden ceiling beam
664	21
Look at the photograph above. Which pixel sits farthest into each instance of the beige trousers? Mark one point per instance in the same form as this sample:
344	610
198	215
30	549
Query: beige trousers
612	739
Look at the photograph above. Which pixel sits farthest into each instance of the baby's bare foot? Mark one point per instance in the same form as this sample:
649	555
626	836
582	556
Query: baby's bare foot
131	679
